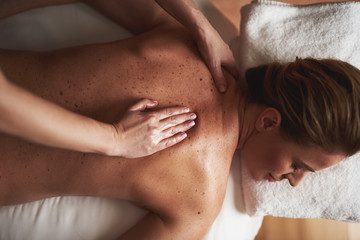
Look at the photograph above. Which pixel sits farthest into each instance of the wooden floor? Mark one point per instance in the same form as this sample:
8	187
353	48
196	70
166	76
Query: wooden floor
307	229
283	228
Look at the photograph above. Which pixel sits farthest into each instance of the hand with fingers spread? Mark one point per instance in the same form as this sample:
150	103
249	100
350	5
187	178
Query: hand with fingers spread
141	133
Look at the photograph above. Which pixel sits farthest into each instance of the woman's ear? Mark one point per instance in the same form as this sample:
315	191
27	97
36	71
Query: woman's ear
268	119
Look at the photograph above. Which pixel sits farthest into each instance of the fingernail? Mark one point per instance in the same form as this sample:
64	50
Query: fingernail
192	116
192	123
187	109
183	135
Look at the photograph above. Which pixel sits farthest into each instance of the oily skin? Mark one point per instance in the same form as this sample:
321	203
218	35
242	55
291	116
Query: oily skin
180	185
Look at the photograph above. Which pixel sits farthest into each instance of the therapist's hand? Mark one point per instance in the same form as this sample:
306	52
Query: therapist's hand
216	53
141	133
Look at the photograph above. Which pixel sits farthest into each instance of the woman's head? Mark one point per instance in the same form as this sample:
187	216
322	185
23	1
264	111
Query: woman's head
318	100
310	117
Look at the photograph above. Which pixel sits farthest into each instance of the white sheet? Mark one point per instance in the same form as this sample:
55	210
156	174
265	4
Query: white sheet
87	217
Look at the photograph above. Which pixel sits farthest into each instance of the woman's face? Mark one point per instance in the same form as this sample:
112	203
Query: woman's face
270	157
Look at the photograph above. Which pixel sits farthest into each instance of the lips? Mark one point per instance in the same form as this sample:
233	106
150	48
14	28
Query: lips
272	179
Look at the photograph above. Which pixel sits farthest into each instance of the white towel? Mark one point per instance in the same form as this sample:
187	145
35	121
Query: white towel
275	31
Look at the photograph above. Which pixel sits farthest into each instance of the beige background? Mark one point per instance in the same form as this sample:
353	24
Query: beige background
307	229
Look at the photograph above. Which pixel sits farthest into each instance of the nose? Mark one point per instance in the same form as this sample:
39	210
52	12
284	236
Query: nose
295	177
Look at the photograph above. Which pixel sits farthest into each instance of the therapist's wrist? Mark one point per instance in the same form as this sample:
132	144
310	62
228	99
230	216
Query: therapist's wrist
111	144
197	23
201	30
103	139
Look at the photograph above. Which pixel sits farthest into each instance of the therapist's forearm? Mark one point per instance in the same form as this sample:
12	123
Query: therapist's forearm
187	13
28	116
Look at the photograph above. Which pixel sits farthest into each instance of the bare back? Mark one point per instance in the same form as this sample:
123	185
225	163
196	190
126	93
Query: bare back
102	81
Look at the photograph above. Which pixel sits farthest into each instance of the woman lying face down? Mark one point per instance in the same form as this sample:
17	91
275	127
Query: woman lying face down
287	123
313	107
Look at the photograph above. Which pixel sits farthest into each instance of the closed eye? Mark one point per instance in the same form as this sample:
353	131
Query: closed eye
297	164
295	167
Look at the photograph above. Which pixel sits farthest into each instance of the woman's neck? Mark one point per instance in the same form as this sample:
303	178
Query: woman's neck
248	113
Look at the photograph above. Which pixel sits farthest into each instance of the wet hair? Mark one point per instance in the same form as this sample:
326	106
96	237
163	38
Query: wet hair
318	100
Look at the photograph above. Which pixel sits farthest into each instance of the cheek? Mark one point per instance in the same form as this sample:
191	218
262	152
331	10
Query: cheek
277	161
278	167
263	156
257	159
267	159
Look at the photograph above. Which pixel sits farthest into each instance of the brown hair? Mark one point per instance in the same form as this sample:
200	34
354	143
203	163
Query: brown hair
318	100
